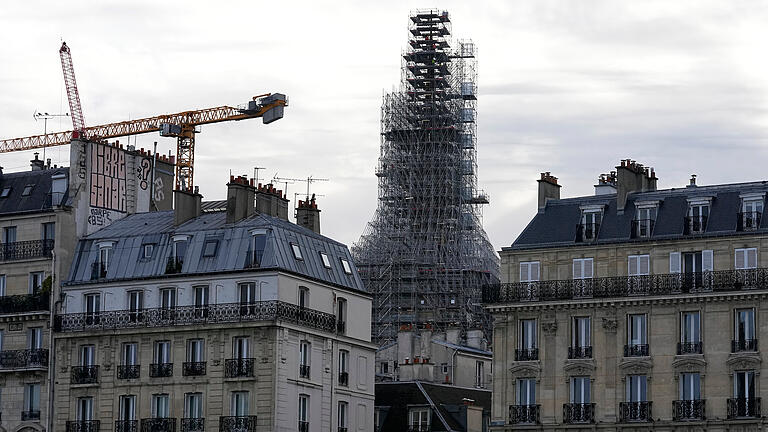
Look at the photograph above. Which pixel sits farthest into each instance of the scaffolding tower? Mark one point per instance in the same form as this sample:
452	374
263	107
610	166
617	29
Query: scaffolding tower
425	256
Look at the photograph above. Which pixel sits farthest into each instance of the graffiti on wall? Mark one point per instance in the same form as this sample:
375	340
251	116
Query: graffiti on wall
159	192
108	178
143	173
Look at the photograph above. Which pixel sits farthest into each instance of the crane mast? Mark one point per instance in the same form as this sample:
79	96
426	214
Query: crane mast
75	109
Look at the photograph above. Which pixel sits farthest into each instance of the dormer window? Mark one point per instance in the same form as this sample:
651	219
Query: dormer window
645	218
751	212
147	250
296	252
590	223
698	214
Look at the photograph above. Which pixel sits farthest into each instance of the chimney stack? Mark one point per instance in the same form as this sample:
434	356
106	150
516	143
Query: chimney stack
186	206
308	215
693	181
36	163
548	189
240	198
271	201
606	184
633	177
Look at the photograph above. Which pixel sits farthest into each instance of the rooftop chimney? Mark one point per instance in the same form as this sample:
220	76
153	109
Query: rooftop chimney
186	206
606	184
36	163
240	198
693	181
632	177
548	189
308	215
271	201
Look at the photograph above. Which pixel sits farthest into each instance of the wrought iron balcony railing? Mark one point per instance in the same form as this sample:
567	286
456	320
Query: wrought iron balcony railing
304	371
193	424
165	424
83	426
30	415
85	374
341	326
237	424
24	303
524	414
581	352
636	350
161	370
412	428
23	250
193	368
692	409
128	371
695	225
270	310
526	354
635	411
690	348
642	228
743	407
126	425
240	367
748	221
587	232
344	379
578	413
627	286
742	345
24	359
303	426
173	265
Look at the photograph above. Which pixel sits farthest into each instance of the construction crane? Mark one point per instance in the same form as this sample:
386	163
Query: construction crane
181	125
76	110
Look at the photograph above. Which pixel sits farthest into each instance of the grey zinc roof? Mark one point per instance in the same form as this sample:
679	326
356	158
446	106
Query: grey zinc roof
556	225
39	198
234	242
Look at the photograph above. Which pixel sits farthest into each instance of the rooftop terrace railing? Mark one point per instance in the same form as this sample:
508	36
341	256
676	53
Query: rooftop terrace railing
627	286
190	315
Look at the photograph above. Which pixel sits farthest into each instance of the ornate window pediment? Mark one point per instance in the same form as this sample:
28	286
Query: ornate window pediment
585	367
636	366
742	361
526	370
689	363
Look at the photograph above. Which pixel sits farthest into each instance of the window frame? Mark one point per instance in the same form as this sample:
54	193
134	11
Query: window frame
325	259
206	253
296	249
745	257
529	265
346	266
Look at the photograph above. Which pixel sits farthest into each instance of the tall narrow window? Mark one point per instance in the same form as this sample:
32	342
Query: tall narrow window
135	305
48	233
248	298
690	333
341	316
105	254
92	308
752	210
84	409
2	285
590	225
637	336
35	338
745	338
526	391
201	301
168	303
239	403
527	342
31	402
690	386
127	412
195	350
304	359
343	368
646	217
479	374
637	388
87	355
581	341
36	282
698	214
746	402
259	244
343	413
161	407
193	405
581	390
130	354
162	352
303	297
303	413
240	347
9	235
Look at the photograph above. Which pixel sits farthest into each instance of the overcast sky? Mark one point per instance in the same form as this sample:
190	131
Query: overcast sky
567	87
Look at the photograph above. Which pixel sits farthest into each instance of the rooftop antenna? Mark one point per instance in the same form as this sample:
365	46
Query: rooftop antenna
256	173
44	116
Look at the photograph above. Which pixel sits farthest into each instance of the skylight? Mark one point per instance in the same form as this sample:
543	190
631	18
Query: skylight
347	268
326	261
27	190
209	249
296	251
6	191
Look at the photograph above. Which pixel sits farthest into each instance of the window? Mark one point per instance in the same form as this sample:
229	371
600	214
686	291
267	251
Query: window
162	354
127	408
296	251
690	333
345	265
130	354
35	338
248	298
168	298
135	305
240	347
161	407
239	407
419	418
341	315
259	244
84	409
201	301
528	334
698	213
745	326
92	308
87	355
2	285
444	368
303	297
147	250
48	231
744	385
326	260
637	330
479	374
193	405
36	282
6	191
752	210
526	391
580	332
105	253
9	235
638	265
209	248
529	271
305	354
690	386
343	412
646	217
637	388
580	390
32	398
746	258
180	249
303	412
582	268
590	224
27	190
195	350
343	367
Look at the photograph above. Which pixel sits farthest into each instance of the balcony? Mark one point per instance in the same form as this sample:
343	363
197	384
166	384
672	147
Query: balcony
583	352
636	350
526	354
642	228
271	310
694	225
344	379
684	348
158	425
24	250
627	286
173	265
692	409
31	415
303	426
237	368
744	345
98	270
587	232
193	368
304	371
83	426
578	413
85	375
237	424
748	221
524	414
126	425
160	370
24	359
193	424
24	303
743	408
128	371
635	411
412	428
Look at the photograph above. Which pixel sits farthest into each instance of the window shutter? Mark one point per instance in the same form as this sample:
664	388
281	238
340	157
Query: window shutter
588	268
633	265
535	271
577	269
707	260
751	258
674	262
644	264
740	259
524	272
